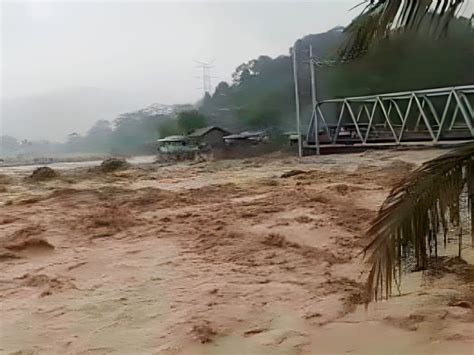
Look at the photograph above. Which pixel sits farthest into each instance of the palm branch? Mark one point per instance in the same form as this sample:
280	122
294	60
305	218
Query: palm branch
380	18
416	212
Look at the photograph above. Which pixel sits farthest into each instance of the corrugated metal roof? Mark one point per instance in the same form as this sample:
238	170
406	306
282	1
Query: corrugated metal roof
246	135
173	139
199	132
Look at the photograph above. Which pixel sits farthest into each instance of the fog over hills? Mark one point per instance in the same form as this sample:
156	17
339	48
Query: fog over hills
53	115
147	48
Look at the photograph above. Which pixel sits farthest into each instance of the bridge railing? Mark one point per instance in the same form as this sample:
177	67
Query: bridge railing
432	115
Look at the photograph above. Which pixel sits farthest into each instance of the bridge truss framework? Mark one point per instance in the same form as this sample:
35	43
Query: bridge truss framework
425	116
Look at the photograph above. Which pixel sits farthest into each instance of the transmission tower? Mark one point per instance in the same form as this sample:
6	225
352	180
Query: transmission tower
206	76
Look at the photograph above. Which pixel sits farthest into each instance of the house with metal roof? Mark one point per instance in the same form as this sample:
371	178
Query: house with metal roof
211	137
175	145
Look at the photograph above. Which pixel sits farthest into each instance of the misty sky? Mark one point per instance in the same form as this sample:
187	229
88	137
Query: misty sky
148	48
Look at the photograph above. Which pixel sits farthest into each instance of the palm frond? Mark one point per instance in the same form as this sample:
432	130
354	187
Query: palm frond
416	211
380	18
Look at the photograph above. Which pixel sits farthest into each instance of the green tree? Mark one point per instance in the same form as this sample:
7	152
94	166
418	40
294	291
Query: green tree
98	137
261	117
168	127
191	120
407	62
222	89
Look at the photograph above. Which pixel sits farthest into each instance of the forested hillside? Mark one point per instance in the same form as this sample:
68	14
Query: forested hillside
262	92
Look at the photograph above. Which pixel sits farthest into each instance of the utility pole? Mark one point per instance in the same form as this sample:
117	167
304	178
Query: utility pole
206	76
297	101
313	99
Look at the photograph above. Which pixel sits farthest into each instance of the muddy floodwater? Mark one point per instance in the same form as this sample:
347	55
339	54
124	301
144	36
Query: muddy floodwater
253	256
25	168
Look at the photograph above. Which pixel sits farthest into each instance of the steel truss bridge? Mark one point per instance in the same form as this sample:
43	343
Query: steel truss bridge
426	117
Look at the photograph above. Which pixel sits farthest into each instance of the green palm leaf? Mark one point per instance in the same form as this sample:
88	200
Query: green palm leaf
415	213
381	18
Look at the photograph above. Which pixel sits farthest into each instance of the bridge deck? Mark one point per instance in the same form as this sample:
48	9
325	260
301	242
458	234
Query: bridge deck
309	149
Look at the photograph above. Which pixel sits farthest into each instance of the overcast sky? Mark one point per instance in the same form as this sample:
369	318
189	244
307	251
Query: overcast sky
148	48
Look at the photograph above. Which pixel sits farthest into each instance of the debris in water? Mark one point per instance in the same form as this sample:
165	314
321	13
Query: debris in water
113	164
203	332
43	173
292	173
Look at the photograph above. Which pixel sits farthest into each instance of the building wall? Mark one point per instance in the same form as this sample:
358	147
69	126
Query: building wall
213	138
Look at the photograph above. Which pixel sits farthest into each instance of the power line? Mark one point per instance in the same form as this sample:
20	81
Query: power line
206	76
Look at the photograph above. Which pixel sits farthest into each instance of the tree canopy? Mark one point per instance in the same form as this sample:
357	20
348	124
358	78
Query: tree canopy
190	120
